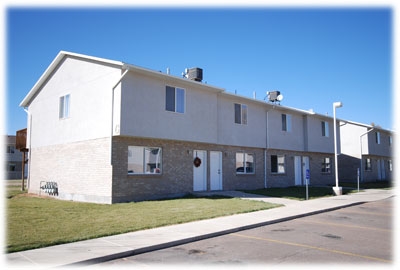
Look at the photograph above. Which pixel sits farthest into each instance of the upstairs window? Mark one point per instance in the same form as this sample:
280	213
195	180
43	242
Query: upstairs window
240	114
174	99
378	137
325	128
286	122
10	149
64	107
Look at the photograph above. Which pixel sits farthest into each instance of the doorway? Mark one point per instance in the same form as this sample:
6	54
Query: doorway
200	170
215	170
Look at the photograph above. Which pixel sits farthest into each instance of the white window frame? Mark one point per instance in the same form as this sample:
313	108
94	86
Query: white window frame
280	165
368	164
141	160
241	118
64	106
11	149
179	99
326	166
378	137
286	122
244	157
325	128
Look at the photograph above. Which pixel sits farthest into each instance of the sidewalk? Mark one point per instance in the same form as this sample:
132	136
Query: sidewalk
119	246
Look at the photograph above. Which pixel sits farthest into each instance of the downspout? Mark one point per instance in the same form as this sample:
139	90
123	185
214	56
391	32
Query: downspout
29	145
112	112
266	149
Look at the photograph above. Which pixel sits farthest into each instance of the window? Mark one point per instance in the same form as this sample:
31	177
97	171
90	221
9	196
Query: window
240	114
277	164
12	167
10	149
378	137
286	122
390	140
244	163
326	165
390	165
64	106
175	99
368	165
325	128
144	160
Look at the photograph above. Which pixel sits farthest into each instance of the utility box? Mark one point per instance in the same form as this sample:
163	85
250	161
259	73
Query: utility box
195	74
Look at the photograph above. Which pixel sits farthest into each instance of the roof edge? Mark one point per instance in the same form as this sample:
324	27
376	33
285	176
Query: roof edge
60	56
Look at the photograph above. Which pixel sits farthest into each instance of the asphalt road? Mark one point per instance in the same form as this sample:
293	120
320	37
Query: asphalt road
354	235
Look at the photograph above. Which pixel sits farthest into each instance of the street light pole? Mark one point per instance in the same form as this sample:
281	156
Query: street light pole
336	190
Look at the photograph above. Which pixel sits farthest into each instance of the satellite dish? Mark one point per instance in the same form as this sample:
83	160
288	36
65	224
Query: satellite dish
279	97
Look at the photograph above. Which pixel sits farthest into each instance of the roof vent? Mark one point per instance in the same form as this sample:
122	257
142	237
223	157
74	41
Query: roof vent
194	74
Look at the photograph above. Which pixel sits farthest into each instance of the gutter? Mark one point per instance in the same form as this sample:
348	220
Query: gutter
29	135
112	110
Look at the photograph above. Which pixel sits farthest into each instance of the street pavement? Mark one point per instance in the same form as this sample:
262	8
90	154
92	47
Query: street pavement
103	249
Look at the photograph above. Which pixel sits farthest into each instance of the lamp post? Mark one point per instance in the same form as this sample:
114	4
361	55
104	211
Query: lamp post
336	190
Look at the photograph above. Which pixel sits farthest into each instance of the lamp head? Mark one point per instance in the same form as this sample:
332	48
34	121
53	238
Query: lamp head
337	104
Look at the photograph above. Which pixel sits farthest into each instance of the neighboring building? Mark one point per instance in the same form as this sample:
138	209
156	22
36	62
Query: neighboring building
13	159
367	148
105	131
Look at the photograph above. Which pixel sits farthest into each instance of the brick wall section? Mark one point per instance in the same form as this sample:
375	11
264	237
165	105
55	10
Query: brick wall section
82	170
317	177
177	169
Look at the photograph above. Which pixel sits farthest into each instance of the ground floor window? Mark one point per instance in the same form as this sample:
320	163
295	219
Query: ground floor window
326	165
244	163
368	164
12	167
144	160
390	165
277	164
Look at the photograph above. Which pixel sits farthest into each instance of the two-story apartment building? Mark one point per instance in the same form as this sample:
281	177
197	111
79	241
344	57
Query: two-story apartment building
365	148
105	131
13	159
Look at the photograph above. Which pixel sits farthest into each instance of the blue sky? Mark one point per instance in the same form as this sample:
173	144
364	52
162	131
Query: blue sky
313	56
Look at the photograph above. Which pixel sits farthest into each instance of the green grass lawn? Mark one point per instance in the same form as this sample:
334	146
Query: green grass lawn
295	192
299	192
38	222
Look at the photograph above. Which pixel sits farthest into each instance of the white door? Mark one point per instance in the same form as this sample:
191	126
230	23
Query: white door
200	170
297	170
306	166
215	170
381	170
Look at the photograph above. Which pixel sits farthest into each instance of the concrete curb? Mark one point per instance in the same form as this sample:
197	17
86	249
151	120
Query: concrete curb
202	237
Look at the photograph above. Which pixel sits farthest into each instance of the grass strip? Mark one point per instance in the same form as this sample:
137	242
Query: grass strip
39	222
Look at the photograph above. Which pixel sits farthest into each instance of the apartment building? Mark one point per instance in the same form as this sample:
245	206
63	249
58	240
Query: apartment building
366	151
13	159
105	131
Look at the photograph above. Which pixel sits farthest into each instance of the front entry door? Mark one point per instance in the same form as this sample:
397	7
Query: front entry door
297	170
200	171
215	170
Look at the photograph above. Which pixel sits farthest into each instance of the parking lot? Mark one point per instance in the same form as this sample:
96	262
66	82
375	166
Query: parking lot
353	235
